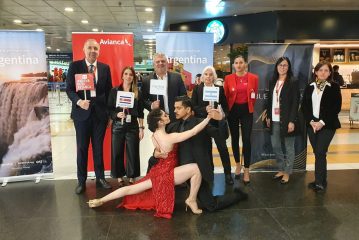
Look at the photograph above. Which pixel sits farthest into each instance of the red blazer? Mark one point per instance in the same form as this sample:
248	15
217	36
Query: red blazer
231	93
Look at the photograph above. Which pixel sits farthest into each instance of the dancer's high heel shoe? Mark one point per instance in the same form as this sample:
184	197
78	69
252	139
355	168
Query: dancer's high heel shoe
93	203
192	204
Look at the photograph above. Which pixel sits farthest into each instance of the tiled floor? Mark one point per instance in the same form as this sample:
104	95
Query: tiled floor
51	210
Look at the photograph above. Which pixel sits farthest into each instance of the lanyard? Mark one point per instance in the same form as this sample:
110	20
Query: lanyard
278	87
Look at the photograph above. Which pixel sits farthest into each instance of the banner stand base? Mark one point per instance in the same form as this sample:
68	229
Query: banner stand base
37	179
4	182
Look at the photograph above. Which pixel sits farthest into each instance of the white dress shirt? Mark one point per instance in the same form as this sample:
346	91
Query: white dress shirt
316	99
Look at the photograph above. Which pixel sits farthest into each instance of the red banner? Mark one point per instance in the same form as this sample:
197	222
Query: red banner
116	50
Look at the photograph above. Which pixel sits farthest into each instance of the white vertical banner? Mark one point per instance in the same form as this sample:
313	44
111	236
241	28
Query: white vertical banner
187	52
25	139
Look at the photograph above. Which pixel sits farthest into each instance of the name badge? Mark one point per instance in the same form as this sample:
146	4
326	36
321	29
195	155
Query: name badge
253	95
93	93
276	111
128	118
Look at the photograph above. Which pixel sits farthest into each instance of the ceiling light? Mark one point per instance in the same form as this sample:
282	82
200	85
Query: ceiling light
17	21
149	21
148	9
84	21
149	30
39	29
235	15
48	47
69	9
57	49
95	29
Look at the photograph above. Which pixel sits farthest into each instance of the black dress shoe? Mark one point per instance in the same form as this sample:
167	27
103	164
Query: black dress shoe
81	187
228	179
246	182
237	176
316	187
102	183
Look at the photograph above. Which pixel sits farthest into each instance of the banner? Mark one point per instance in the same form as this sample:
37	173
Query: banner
57	66
188	53
116	50
25	139
262	59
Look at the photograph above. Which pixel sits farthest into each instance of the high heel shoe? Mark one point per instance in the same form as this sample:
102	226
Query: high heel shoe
192	204
246	176
93	203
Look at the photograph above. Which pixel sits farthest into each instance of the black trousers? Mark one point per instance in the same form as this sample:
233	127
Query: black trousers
240	114
91	129
220	141
126	134
320	142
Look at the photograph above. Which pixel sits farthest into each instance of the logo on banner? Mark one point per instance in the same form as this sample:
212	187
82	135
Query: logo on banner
157	87
114	42
125	99
84	82
211	94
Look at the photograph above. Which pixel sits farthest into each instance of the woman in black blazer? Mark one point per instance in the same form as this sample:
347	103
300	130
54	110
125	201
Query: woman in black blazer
282	111
321	105
127	130
201	108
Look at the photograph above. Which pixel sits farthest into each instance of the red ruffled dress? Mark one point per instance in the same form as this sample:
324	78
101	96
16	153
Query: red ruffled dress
161	196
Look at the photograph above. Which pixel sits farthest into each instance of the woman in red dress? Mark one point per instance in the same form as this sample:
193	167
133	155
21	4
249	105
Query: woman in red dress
156	189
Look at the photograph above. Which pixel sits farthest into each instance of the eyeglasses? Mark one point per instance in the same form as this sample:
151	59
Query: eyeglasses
283	65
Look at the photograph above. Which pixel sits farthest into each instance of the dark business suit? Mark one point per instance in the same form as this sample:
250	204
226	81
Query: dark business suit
330	106
197	149
175	87
199	107
91	123
289	104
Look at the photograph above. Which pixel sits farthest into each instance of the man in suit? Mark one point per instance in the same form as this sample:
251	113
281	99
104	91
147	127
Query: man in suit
89	113
174	85
198	150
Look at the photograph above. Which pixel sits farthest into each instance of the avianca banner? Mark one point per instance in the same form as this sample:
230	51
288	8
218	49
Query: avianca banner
188	53
25	139
116	50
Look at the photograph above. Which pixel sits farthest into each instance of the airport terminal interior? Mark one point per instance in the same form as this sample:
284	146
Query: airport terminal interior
48	208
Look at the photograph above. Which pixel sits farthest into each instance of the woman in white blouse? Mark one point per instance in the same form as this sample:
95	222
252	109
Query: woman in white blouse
282	111
321	105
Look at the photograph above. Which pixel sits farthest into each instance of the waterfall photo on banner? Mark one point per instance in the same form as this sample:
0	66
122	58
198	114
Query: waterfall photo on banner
25	139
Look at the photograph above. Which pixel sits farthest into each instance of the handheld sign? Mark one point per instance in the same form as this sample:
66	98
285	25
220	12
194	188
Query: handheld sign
125	99
211	94
84	82
157	87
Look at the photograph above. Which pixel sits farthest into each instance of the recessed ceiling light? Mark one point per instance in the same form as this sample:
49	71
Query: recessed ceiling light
17	21
69	9
148	9
84	21
39	29
48	47
58	49
149	21
95	29
149	30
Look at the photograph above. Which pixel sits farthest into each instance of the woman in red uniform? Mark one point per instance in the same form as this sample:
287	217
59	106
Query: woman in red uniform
240	89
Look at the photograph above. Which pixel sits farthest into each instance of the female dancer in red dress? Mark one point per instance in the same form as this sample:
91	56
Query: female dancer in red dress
156	189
